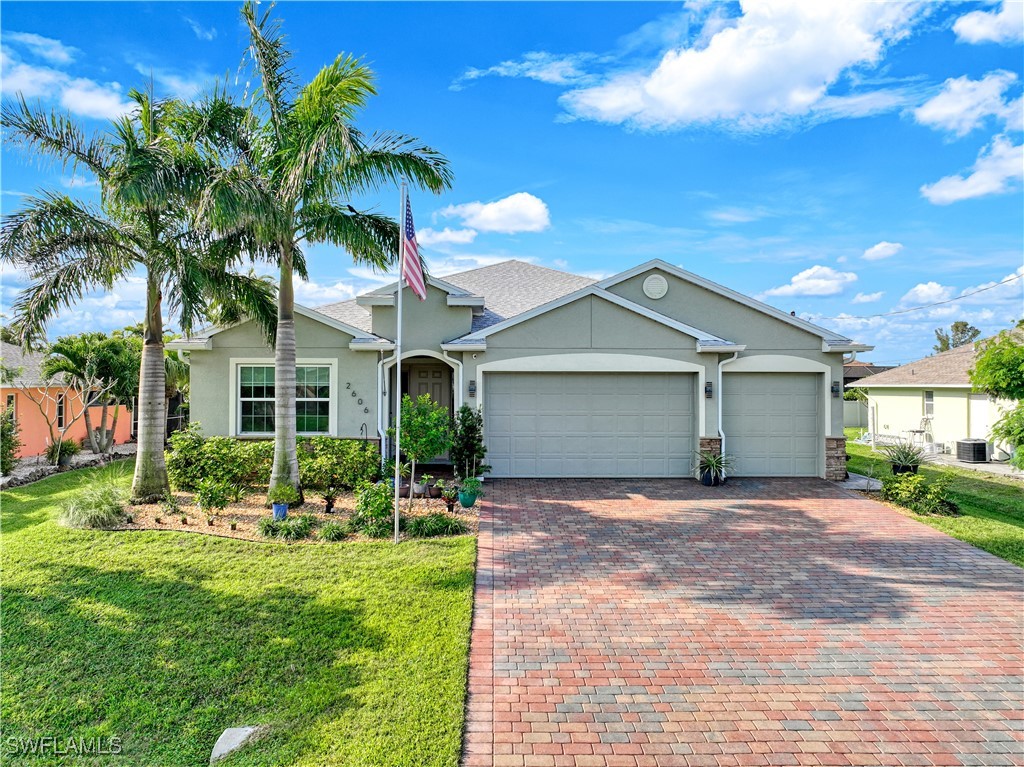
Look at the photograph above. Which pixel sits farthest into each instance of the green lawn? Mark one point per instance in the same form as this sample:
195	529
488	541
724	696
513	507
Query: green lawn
991	506
352	653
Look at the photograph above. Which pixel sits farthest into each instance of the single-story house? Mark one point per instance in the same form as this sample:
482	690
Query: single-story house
854	370
621	377
931	401
61	407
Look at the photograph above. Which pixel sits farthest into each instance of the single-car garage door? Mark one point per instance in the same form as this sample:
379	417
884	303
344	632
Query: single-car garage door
589	424
771	423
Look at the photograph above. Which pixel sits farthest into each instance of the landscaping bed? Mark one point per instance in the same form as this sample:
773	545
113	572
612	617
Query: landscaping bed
353	653
991	507
252	508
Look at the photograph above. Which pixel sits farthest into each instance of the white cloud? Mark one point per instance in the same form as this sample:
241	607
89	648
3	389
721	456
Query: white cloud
79	95
1003	26
882	250
926	293
774	66
177	85
520	212
201	32
1010	291
314	293
963	104
542	66
998	169
78	182
816	281
464	262
446	236
868	298
736	215
47	48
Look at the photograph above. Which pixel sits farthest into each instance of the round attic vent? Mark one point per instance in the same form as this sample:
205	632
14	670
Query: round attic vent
655	287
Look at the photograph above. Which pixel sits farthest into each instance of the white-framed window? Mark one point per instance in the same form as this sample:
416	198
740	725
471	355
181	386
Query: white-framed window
929	404
11	406
257	390
61	416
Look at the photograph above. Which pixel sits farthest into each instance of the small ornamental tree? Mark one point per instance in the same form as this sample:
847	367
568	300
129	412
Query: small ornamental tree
426	430
468	451
999	370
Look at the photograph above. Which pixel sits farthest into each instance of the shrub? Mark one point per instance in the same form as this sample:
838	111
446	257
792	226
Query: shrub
332	531
9	441
467	450
285	494
61	448
326	462
99	504
213	494
1010	429
433	525
236	463
374	511
912	492
293	529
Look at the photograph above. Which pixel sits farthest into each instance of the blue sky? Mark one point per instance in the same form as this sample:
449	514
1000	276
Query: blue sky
841	160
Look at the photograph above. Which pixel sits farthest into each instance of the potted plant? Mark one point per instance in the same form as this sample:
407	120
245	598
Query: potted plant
211	496
281	497
420	488
467	448
469	491
712	467
449	492
904	458
323	474
433	488
403	473
61	452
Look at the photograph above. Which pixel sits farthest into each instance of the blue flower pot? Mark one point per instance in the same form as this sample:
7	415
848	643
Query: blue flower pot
280	511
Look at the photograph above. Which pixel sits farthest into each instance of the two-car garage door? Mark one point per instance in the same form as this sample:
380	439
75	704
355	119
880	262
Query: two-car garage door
590	424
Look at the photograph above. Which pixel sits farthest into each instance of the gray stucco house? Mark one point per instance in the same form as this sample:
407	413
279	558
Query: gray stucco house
622	377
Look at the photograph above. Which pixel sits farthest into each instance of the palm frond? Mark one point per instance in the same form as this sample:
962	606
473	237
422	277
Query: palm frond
54	135
388	158
270	58
370	238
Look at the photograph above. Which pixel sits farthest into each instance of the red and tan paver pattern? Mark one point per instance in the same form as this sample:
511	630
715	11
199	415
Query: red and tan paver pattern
766	622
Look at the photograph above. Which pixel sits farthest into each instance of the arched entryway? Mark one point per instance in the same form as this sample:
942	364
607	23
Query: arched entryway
423	372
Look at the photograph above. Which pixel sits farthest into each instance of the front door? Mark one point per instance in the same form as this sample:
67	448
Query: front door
419	378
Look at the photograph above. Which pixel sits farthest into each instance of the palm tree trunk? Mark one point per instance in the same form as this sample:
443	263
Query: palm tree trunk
150	482
286	461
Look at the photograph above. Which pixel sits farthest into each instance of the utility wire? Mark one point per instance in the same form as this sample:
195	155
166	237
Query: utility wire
926	306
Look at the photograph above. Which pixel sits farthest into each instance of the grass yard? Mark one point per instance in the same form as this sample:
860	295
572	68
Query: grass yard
991	506
352	653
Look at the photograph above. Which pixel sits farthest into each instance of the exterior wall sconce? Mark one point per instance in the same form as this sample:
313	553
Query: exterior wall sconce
472	388
837	390
707	390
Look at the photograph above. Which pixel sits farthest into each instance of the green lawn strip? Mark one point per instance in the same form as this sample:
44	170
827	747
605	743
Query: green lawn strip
353	653
991	506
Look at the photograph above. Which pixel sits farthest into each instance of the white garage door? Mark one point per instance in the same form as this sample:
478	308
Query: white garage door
589	424
771	423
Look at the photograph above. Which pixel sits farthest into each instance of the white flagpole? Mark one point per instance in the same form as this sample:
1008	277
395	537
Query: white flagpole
398	357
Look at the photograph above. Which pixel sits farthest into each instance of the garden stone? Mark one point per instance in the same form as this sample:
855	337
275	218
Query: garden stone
232	739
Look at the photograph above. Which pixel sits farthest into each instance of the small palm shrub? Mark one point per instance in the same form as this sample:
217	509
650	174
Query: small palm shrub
99	504
912	492
9	441
332	531
904	454
432	525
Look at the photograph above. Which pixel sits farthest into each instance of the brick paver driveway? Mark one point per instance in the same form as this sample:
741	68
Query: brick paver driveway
766	622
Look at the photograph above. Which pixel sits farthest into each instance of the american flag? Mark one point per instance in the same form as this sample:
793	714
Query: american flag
412	269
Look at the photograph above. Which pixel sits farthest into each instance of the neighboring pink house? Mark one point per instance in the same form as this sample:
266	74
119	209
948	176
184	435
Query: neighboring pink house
35	432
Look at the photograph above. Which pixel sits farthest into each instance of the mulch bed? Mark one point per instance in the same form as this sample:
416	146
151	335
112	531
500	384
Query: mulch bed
252	508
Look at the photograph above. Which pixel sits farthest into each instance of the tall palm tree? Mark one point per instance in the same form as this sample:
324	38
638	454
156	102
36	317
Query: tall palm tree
298	162
148	168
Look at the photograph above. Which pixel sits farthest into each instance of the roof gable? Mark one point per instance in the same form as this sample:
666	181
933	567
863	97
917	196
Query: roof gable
831	341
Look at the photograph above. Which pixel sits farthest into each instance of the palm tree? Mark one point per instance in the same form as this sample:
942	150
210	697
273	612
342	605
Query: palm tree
297	162
148	168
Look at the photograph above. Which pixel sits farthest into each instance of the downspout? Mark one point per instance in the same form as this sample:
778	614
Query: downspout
721	400
380	405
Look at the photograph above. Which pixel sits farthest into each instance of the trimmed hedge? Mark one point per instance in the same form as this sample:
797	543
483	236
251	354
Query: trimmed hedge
247	463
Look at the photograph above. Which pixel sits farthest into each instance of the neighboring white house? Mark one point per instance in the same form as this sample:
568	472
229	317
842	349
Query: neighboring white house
931	401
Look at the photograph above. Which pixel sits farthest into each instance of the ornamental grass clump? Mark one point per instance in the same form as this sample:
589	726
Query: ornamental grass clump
99	504
433	525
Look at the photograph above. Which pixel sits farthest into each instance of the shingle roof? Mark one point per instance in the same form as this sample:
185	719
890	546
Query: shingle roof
510	288
950	368
29	364
348	312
